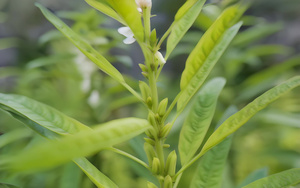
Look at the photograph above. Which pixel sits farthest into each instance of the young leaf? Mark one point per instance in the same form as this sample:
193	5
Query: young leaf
198	121
181	26
82	45
207	52
210	169
36	114
240	118
105	9
279	180
81	144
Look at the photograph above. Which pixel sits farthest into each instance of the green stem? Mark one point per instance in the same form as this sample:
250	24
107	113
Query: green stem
177	181
160	154
147	25
153	87
163	38
129	156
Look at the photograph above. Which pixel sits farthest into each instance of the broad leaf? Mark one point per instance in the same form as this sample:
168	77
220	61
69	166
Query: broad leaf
84	143
105	9
240	118
207	52
199	119
279	180
209	172
256	175
50	123
82	45
36	114
182	25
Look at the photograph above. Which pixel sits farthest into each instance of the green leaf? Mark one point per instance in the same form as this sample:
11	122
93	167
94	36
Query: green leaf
182	25
105	9
199	119
240	118
258	174
210	169
279	180
209	172
82	45
36	114
50	123
12	136
127	10
84	143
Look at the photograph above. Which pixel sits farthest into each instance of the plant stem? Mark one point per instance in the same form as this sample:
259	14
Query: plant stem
129	156
153	87
164	37
147	25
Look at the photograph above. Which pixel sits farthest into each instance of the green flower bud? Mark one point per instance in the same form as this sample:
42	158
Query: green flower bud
151	185
165	130
145	74
149	152
150	141
152	120
171	164
143	67
153	39
145	90
149	102
166	145
156	166
162	107
168	183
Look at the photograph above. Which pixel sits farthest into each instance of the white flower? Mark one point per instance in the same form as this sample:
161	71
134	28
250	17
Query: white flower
143	3
160	58
94	99
126	31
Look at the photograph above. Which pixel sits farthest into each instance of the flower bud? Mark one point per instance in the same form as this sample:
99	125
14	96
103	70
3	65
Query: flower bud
149	102
145	90
166	145
156	166
151	185
160	58
171	164
143	67
149	152
162	107
145	74
165	130
150	141
168	183
143	3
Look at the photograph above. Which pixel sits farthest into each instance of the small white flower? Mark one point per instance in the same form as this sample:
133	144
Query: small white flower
94	99
160	58
126	31
143	3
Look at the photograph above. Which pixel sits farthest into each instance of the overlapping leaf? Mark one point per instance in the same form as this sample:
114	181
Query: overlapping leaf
84	143
279	180
198	121
207	52
183	22
82	45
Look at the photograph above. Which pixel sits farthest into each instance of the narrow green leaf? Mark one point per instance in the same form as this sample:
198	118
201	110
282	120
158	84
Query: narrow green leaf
256	175
99	179
37	114
50	123
84	143
240	118
12	136
82	45
182	25
207	52
71	176
210	170
127	10
279	180
105	9
184	8
199	119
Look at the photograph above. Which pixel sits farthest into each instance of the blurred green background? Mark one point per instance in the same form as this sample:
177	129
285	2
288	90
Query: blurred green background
38	62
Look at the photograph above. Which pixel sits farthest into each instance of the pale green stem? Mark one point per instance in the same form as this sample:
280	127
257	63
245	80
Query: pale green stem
129	156
164	37
147	25
153	87
171	107
132	91
159	71
177	181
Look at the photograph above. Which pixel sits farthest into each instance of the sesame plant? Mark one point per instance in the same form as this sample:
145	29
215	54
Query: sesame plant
68	139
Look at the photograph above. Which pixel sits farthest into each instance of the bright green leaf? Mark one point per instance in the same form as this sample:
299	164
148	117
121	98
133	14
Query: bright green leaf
36	114
82	45
279	180
12	136
105	9
84	143
240	118
181	26
198	121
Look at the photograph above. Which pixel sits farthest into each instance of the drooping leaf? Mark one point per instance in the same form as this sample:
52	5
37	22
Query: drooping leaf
12	136
207	52
105	9
240	118
182	25
6	185
82	45
84	143
279	180
256	175
35	114
209	172
199	118
50	123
